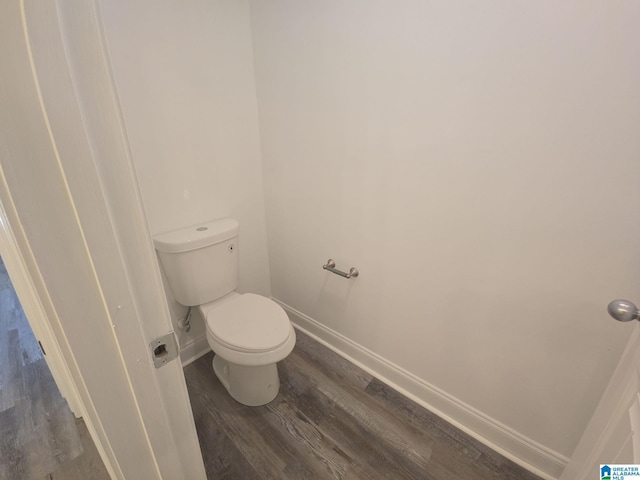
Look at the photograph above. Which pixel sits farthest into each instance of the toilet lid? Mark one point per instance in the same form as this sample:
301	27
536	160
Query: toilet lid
249	322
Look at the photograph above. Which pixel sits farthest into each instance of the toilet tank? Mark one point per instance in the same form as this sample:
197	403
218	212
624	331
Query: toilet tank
201	262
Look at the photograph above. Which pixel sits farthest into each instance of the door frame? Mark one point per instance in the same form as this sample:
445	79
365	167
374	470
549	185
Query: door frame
600	438
33	308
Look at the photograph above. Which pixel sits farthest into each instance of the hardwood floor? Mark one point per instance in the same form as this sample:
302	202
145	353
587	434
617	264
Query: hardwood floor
331	420
39	436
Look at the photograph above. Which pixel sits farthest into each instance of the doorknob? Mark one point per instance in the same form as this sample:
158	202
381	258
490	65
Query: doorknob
623	310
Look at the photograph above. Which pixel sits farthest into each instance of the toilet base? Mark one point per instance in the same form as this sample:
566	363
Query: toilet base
251	386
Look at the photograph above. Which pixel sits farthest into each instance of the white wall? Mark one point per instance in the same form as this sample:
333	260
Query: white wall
184	75
478	162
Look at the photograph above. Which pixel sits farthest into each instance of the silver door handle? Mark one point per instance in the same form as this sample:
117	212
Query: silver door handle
623	310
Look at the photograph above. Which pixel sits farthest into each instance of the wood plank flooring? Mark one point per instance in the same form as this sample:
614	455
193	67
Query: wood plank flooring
39	436
331	420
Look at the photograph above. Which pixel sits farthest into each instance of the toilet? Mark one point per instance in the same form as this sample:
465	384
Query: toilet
248	333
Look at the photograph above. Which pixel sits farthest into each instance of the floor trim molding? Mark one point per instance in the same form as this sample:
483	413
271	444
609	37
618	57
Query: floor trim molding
506	441
193	350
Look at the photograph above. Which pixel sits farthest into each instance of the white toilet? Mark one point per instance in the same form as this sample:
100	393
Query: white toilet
248	333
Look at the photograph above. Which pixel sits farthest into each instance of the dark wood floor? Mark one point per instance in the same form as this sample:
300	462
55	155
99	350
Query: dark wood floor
39	436
331	420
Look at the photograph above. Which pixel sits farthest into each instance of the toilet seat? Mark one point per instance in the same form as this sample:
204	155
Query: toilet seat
248	323
248	329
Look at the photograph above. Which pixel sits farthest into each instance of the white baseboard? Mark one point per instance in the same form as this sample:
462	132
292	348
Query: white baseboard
193	350
504	440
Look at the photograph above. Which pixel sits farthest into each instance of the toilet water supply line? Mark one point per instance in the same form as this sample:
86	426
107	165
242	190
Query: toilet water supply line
186	321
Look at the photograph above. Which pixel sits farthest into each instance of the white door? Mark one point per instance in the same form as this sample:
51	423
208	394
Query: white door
74	212
613	434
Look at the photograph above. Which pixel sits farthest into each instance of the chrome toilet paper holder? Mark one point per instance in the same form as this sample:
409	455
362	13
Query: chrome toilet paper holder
331	266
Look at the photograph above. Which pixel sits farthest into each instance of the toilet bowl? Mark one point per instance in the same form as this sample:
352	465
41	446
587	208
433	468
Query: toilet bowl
249	334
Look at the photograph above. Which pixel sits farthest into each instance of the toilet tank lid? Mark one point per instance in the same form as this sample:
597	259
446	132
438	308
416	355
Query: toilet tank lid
196	236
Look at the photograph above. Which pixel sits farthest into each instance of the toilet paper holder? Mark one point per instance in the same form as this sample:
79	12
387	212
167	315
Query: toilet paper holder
331	266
